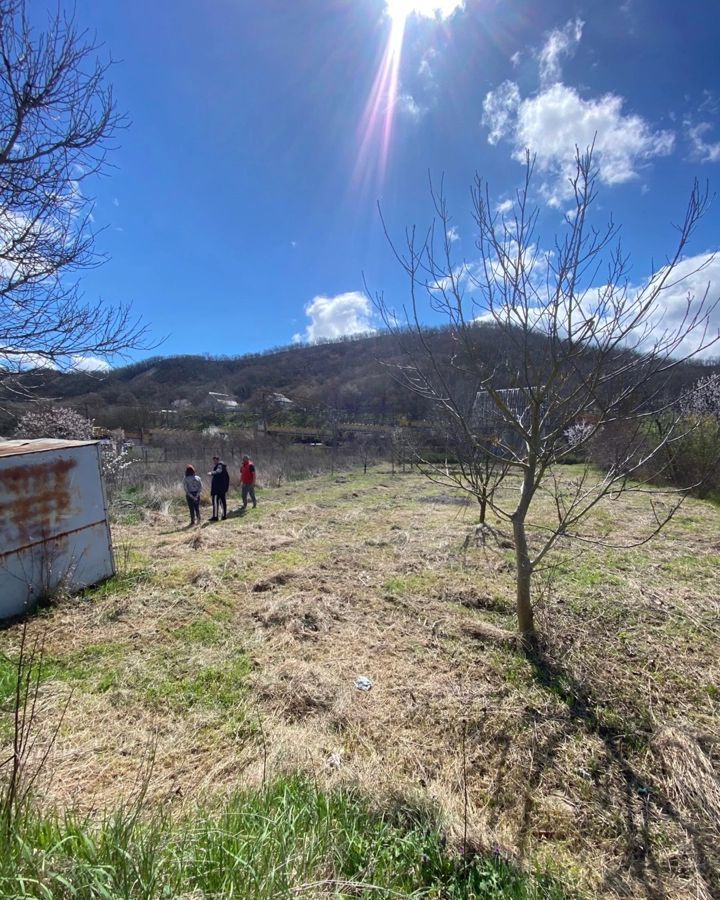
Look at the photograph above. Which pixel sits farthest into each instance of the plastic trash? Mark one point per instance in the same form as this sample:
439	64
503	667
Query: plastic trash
363	683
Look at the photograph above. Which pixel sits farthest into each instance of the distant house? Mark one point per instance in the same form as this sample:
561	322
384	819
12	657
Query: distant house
222	401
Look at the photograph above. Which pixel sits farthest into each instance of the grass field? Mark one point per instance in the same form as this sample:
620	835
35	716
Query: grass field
225	658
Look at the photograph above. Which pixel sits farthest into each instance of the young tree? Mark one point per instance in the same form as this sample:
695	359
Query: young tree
559	349
57	116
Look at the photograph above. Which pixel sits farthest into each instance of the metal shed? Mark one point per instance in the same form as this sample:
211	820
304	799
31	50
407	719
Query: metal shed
54	530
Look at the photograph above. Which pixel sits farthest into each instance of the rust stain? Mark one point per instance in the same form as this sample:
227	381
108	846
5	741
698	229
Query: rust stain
37	497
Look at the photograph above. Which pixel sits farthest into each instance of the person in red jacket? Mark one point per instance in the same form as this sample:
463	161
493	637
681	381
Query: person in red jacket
247	481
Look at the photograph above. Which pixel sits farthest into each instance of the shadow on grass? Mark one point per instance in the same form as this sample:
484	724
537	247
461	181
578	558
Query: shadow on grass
643	805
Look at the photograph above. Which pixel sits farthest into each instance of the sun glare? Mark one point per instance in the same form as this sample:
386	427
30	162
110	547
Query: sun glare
399	10
376	126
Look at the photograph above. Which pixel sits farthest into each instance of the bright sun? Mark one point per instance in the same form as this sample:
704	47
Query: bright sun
399	10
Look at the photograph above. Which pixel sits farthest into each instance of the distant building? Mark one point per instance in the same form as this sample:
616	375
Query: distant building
222	401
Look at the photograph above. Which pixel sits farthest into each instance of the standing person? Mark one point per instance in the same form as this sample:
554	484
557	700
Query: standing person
247	481
219	488
193	489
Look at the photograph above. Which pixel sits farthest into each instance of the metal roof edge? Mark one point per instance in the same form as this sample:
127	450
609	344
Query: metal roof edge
42	445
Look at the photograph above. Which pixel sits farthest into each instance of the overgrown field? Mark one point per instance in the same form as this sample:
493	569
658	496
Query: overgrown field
224	658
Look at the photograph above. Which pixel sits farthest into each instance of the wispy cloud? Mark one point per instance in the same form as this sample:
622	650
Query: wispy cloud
560	42
703	150
335	317
409	107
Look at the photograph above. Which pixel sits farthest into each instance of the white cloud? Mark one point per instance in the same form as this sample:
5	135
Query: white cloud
16	360
693	279
504	207
556	120
115	201
692	290
335	317
560	42
702	149
515	58
453	234
90	364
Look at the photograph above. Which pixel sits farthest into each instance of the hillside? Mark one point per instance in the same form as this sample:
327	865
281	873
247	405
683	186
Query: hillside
353	378
230	653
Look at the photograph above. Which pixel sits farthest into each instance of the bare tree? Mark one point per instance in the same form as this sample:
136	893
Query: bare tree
560	349
57	117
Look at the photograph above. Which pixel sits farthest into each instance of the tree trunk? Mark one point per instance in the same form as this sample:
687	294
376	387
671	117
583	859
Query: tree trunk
482	500
526	624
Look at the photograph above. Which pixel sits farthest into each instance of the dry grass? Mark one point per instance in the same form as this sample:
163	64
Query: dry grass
232	650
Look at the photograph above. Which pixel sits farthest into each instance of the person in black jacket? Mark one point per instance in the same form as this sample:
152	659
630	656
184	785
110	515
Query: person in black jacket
218	488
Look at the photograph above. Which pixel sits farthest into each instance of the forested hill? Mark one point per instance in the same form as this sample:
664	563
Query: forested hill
355	377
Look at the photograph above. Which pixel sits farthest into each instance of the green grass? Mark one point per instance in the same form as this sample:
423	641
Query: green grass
119	585
8	678
205	632
182	684
414	583
289	839
95	667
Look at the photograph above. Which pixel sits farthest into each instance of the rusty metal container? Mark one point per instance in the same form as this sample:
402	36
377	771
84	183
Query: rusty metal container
54	529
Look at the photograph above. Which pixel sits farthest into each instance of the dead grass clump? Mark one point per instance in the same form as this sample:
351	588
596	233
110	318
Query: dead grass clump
488	633
689	779
688	776
267	584
205	579
473	600
300	616
297	691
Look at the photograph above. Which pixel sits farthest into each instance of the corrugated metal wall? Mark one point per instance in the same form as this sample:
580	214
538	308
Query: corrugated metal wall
54	531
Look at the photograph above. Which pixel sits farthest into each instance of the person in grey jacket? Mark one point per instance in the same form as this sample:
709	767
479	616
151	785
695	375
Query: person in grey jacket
193	489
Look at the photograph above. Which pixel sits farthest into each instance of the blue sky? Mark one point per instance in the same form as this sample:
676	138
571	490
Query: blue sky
240	212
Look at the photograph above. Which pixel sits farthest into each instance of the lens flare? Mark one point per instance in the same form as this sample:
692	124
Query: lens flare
376	124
